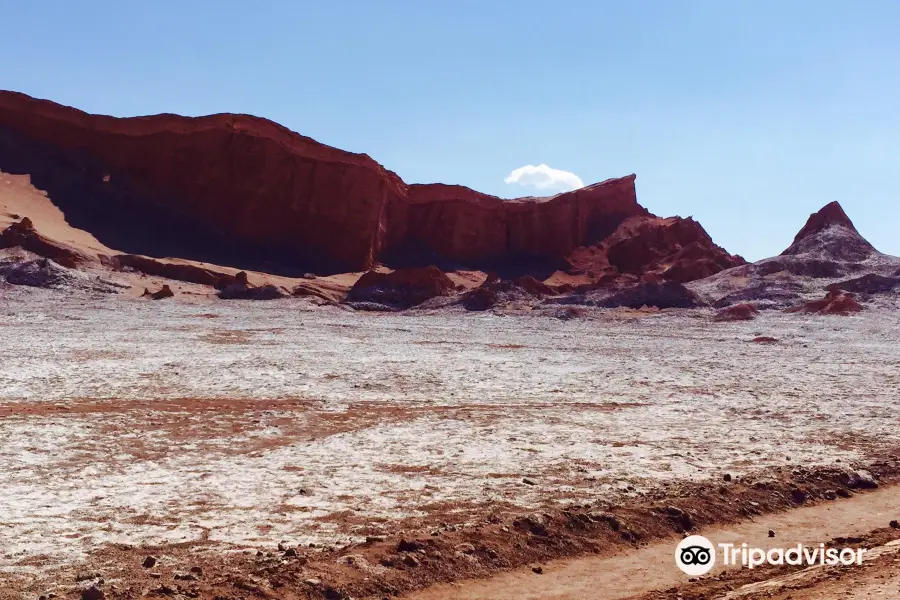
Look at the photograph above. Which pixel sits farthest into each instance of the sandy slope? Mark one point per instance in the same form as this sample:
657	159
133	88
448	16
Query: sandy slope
18	198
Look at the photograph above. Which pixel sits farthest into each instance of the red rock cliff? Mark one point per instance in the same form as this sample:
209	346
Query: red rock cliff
259	183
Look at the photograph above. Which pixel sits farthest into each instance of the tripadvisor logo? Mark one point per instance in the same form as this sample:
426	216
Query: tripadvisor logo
696	555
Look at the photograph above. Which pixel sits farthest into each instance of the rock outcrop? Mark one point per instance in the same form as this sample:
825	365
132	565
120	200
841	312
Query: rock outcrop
661	295
495	291
162	293
41	272
830	234
290	198
242	289
834	303
399	289
20	267
458	223
676	249
246	192
827	253
23	234
737	312
178	271
868	284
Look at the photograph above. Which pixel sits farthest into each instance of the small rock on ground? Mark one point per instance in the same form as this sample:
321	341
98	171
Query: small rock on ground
92	593
410	561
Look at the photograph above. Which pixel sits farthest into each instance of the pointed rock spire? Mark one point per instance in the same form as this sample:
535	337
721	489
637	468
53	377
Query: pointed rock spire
830	234
828	216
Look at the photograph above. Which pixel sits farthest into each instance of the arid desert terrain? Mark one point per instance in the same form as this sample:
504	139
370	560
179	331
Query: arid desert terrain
219	428
341	386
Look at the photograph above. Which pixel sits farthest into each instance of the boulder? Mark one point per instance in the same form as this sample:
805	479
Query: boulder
737	312
92	592
241	290
860	479
400	289
41	272
481	298
867	284
164	292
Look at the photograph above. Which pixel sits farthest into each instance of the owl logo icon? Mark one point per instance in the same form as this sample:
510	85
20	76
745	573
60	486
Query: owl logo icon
695	555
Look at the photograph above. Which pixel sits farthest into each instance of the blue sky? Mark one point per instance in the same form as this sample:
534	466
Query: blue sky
747	115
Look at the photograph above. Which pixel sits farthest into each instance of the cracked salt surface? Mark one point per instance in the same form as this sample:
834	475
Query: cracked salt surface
148	422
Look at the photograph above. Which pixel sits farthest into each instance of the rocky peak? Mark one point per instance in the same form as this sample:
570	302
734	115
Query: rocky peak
831	234
830	215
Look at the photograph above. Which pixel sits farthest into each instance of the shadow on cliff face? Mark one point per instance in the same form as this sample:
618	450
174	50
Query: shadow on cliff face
414	255
125	217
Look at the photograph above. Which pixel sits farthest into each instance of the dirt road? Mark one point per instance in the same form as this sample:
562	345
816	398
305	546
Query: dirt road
650	572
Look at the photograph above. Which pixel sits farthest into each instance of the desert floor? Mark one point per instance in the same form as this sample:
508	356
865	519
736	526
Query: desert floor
242	425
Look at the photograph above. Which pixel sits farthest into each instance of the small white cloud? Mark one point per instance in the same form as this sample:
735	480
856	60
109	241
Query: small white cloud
545	178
